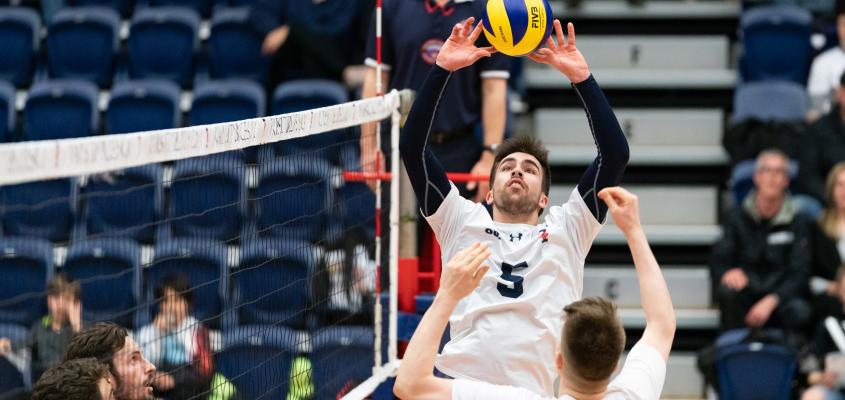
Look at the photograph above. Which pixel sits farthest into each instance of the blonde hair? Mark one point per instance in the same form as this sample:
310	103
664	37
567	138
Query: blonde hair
828	219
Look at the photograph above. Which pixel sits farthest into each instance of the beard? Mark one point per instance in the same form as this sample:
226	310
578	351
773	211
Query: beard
517	205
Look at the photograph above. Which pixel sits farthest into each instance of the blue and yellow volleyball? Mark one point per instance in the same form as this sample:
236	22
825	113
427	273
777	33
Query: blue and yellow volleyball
517	27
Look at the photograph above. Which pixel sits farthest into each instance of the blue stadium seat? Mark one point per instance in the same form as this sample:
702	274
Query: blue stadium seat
341	358
272	281
775	43
82	43
143	105
7	112
124	7
11	380
62	108
42	209
293	198
779	101
109	196
208	198
229	100
19	38
257	360
358	207
308	94
203	7
30	262
751	371
234	48
109	270
204	264
162	42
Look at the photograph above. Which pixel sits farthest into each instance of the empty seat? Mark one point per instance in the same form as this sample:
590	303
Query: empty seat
341	358
755	371
62	108
82	42
42	209
229	100
234	47
109	271
204	264
272	281
293	199
7	112
309	94
143	105
775	43
162	42
30	262
252	354
124	7
781	101
208	198
108	197
359	205
201	6
19	39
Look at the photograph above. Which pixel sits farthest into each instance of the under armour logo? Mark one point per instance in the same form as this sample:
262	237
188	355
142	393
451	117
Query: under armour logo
518	237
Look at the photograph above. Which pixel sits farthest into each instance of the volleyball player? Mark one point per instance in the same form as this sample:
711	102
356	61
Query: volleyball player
593	337
80	379
506	331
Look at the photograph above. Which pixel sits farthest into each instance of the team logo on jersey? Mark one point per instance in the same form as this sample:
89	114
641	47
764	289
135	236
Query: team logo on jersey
544	235
517	237
430	49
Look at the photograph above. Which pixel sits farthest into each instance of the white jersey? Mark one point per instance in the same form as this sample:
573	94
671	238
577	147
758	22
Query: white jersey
641	378
509	335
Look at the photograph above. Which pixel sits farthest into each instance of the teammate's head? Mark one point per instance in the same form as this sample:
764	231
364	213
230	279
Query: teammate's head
520	179
80	379
591	343
62	292
771	173
111	344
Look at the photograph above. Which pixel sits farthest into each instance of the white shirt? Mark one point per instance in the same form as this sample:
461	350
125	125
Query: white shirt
497	334
825	72
641	378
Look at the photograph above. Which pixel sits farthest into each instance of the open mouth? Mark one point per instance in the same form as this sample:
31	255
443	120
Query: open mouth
515	182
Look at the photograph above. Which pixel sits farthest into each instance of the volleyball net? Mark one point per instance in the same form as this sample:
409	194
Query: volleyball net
236	254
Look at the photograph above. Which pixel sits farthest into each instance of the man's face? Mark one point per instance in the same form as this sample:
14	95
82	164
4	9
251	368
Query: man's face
772	176
174	307
106	388
839	191
134	373
58	304
518	186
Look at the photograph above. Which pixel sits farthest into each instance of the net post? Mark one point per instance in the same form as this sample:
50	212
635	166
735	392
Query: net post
392	352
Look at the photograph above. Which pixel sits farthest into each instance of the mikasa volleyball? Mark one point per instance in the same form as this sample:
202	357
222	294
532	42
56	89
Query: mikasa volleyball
517	27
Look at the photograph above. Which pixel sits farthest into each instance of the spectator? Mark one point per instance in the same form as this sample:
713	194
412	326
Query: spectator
826	145
48	337
829	241
81	379
827	69
761	263
344	285
111	344
177	342
313	38
823	380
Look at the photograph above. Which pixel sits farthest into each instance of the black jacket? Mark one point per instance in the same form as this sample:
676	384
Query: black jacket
775	254
825	254
825	148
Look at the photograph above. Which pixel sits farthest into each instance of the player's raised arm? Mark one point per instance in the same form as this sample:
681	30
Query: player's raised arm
609	165
461	276
654	294
425	172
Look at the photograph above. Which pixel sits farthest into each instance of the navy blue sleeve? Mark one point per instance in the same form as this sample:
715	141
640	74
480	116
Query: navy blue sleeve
428	178
266	15
609	166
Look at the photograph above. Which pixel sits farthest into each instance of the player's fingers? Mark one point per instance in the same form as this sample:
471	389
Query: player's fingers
467	28
490	49
478	259
550	43
475	32
479	274
608	198
570	28
536	57
559	34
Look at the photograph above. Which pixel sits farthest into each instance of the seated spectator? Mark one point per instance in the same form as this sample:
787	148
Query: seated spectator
826	146
344	285
111	344
826	70
177	342
323	39
80	379
823	380
48	337
829	241
761	263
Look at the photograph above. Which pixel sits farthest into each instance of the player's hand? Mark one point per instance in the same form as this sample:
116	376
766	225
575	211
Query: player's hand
761	311
624	207
463	272
482	167
735	279
275	39
563	55
824	378
459	50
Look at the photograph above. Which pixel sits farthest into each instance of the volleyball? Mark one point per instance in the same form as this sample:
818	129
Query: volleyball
517	27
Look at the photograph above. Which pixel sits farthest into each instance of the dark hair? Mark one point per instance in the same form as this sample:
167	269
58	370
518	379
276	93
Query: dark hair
527	145
61	284
839	8
593	339
100	341
177	283
71	380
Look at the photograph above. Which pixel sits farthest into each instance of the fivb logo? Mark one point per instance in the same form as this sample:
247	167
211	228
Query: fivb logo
535	17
